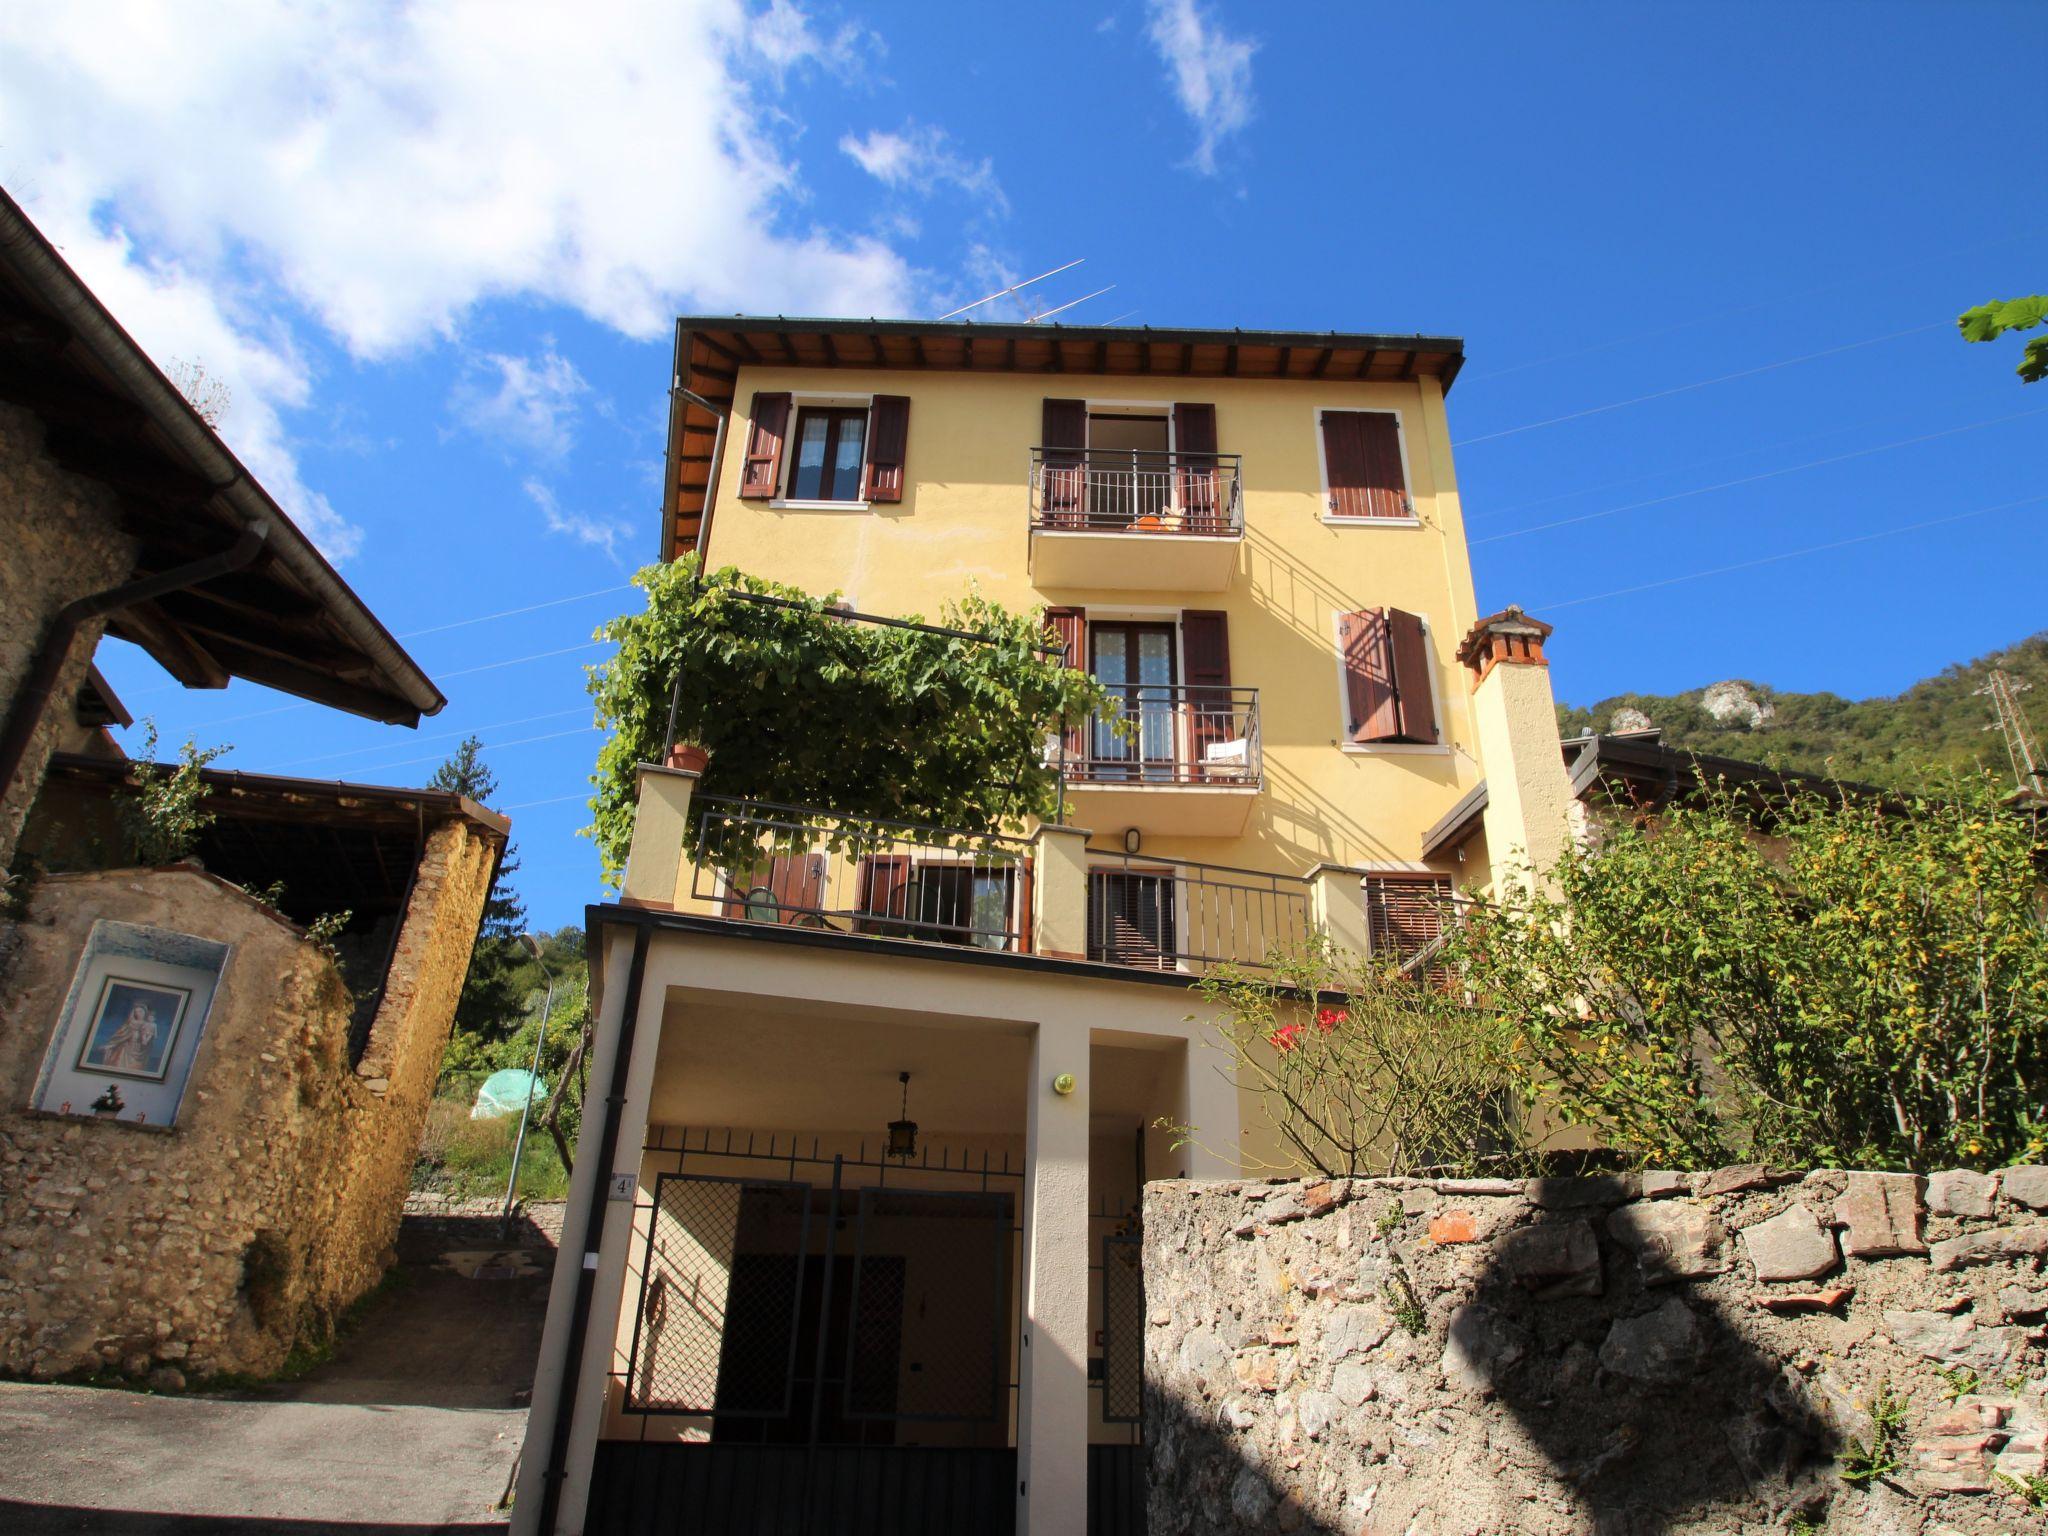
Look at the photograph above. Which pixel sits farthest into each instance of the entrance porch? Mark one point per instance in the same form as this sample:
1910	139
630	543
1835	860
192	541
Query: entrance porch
780	1325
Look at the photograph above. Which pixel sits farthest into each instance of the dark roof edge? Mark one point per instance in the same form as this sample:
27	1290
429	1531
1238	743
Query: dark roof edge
444	802
41	268
1385	341
1458	823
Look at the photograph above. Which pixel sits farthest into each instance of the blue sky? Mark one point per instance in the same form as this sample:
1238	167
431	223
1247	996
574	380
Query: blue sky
1706	260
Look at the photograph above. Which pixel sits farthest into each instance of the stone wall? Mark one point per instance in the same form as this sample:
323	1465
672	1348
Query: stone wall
274	1203
1645	1353
62	540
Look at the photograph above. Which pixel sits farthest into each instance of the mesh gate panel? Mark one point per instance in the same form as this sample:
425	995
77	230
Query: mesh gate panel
930	1306
1123	1330
719	1290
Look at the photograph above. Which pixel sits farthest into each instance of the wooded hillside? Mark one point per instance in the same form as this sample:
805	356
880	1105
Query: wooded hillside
1939	722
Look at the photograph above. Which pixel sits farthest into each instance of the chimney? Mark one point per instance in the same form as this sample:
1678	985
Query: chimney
1514	716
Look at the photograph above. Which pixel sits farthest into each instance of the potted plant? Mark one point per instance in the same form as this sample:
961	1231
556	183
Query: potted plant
688	756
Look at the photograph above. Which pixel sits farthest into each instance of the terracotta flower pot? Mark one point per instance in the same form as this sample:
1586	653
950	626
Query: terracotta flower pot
689	756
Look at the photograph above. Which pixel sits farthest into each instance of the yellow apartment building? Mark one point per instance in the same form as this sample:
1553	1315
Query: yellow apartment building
857	1215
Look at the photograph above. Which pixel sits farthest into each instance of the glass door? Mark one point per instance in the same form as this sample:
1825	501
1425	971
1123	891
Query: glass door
1136	663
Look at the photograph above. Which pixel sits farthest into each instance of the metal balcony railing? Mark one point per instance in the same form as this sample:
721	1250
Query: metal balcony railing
765	863
1137	490
1172	915
1171	733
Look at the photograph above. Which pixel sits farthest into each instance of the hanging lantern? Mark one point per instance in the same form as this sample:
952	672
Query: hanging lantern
903	1133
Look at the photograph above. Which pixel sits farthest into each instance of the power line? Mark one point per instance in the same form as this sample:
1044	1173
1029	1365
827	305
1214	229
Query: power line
1833	285
1769	474
489	746
508	613
527	805
1790	554
1680	389
495	725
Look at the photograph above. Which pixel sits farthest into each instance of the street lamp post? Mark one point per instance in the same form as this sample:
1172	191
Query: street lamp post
540	1037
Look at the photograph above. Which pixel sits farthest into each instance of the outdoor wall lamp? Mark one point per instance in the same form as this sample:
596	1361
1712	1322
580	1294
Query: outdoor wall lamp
903	1133
1063	1084
1130	839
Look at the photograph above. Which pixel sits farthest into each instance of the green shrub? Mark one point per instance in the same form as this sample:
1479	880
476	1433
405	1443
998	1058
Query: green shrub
1865	984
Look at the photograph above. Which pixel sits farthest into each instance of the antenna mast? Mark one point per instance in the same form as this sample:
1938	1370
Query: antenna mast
2021	749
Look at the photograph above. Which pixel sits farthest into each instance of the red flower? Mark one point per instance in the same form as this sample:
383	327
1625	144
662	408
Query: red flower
1328	1019
1283	1038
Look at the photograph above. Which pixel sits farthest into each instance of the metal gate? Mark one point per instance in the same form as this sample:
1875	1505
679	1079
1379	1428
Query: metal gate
813	1358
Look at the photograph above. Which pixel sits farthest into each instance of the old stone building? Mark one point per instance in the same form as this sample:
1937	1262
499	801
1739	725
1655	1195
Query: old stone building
213	1075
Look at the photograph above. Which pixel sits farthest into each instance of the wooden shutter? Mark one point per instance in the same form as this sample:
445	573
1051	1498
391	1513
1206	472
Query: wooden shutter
880	883
1205	652
1071	625
1386	488
1369	677
798	882
1404	914
1415	701
888	435
1194	442
768	421
1362	457
1064	426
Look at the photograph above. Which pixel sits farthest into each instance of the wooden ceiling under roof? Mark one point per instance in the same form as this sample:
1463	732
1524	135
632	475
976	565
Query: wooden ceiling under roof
286	620
711	349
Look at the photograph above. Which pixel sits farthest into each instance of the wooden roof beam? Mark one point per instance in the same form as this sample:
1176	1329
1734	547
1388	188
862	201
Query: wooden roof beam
1322	362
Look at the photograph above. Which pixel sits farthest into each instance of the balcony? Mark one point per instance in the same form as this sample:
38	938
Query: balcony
1135	519
1047	894
1186	762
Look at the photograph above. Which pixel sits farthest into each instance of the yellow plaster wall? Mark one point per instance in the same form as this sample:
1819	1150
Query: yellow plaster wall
963	520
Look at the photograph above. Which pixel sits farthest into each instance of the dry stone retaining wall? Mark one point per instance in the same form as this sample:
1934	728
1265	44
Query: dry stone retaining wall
1644	1353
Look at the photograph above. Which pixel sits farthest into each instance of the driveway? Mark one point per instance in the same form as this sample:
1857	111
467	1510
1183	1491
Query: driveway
413	1426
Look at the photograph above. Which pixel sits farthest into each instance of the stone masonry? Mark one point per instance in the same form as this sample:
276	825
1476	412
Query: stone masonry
252	1225
1653	1353
63	540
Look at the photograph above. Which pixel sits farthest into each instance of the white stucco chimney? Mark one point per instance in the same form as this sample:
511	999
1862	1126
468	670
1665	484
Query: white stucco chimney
1514	714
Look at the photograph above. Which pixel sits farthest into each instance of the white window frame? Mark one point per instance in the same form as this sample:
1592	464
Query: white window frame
1440	748
797	400
1330	518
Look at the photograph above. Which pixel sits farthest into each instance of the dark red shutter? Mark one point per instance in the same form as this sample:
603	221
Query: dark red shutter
1413	671
767	422
1071	625
1369	677
1386	488
880	884
1064	426
798	883
1194	441
1404	915
1344	462
1205	653
888	435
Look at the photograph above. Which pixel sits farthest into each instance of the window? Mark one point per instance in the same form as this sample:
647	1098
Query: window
1136	663
829	451
1365	467
1404	915
1131	918
1389	678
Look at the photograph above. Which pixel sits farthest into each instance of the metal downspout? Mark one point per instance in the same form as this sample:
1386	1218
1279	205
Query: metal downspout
34	698
591	1238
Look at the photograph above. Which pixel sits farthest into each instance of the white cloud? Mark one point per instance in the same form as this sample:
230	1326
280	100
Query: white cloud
1210	71
919	158
596	532
386	168
528	402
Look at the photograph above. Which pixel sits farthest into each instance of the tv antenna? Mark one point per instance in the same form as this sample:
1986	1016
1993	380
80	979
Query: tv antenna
1015	291
2003	689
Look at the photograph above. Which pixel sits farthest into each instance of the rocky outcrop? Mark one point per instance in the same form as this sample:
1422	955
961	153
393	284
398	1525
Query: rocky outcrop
1738	704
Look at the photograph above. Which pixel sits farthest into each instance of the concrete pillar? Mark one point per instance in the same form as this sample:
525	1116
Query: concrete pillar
617	1189
1059	893
654	865
1514	717
1052	1405
1337	906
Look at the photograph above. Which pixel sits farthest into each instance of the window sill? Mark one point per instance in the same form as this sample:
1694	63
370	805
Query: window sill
1395	749
783	504
1371	522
